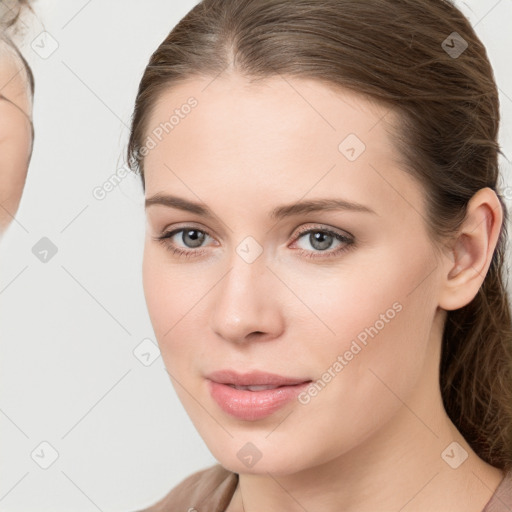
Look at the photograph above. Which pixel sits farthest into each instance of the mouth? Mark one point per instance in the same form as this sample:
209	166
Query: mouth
255	395
255	380
255	388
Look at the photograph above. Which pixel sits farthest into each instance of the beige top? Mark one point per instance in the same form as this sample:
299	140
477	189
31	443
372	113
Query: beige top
211	490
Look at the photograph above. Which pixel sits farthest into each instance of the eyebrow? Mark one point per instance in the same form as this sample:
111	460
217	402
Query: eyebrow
280	212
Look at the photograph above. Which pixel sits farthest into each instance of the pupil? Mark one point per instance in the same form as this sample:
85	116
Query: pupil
196	240
320	240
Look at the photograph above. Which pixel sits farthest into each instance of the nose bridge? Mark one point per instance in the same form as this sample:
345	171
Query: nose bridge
243	302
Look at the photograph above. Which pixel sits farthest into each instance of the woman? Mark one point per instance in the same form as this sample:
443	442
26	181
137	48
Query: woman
324	255
16	127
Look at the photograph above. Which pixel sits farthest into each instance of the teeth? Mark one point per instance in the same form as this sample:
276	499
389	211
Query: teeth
253	388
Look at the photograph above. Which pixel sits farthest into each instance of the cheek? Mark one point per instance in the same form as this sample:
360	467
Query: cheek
153	293
161	291
378	352
382	319
173	298
376	314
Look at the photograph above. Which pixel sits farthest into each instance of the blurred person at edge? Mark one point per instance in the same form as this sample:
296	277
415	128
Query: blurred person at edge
16	101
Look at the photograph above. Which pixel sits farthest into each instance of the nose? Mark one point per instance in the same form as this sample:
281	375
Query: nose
245	304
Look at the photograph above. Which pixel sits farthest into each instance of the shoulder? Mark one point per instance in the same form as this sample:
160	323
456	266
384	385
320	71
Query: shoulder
206	490
501	500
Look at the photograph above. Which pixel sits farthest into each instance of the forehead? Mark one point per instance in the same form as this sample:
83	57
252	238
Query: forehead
275	108
270	135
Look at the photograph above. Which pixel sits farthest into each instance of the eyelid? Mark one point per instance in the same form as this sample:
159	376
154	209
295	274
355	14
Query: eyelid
183	227
296	233
323	227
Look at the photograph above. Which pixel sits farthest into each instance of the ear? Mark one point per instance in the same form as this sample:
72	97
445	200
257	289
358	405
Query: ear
472	250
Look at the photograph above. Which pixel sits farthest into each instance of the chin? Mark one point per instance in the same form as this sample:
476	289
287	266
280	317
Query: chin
247	457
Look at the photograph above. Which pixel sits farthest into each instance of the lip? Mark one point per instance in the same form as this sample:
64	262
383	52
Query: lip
253	405
253	378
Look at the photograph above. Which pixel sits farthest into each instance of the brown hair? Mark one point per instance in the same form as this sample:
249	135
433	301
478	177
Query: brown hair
395	52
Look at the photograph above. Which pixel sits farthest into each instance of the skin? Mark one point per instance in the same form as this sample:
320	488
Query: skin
372	438
15	132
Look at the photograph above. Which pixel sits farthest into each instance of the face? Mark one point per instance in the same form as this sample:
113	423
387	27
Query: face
343	297
15	131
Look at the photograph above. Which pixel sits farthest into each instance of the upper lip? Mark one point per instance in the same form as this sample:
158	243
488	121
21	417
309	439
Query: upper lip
253	378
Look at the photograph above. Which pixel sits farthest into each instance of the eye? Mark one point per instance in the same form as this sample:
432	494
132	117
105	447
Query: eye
321	239
191	237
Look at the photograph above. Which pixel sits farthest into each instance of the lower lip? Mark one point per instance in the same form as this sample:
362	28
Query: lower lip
253	405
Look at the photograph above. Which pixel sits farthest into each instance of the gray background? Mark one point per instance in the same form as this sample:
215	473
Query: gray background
69	326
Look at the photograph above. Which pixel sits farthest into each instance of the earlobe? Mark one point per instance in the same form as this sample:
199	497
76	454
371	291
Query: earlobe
472	251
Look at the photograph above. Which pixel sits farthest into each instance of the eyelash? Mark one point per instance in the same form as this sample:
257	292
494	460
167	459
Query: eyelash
164	240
